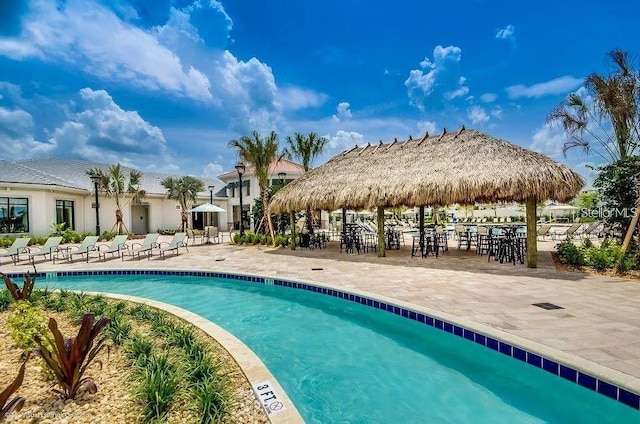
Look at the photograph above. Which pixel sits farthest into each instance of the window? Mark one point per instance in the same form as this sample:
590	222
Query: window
14	215
248	189
65	213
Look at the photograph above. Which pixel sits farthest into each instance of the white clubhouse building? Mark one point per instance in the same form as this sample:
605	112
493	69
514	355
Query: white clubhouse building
37	193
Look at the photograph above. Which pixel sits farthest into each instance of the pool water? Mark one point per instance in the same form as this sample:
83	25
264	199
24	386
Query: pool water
342	362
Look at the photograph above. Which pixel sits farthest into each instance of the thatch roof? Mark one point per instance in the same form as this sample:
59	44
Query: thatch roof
464	167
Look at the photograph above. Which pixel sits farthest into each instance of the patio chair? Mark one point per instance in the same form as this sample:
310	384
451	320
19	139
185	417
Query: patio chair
212	235
48	248
179	240
118	246
568	232
196	235
87	245
148	244
543	231
592	229
19	246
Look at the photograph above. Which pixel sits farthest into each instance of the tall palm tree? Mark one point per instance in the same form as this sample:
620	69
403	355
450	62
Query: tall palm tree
606	113
260	153
184	190
305	148
123	191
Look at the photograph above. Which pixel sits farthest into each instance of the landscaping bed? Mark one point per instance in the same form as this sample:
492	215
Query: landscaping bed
154	368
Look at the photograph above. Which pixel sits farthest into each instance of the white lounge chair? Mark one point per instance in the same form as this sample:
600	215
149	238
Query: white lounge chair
87	245
19	246
118	246
179	240
49	248
148	244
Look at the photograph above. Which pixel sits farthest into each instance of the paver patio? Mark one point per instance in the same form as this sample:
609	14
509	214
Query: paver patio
600	321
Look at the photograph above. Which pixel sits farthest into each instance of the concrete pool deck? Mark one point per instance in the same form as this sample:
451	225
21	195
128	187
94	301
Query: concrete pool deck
600	322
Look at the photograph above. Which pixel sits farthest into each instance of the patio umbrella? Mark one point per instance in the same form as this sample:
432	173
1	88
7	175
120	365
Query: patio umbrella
207	207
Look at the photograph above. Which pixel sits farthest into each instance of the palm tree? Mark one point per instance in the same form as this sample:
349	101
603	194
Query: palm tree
116	186
260	153
305	148
607	112
184	190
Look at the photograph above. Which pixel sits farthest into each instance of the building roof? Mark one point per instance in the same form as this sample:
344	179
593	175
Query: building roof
463	167
71	173
283	165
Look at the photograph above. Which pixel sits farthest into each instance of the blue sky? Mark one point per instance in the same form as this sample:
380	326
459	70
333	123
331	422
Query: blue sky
163	85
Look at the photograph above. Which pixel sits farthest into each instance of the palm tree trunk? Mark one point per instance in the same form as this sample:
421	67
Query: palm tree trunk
185	220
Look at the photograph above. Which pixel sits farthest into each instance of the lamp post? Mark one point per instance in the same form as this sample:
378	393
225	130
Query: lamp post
96	180
240	168
282	176
211	193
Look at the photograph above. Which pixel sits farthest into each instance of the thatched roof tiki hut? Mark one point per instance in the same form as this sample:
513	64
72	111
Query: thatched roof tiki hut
464	167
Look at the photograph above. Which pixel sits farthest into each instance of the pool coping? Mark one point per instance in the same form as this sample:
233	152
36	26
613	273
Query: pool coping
614	384
249	363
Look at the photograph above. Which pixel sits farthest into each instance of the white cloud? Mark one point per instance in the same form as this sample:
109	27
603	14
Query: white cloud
16	138
477	115
421	83
294	98
456	93
345	139
506	33
93	38
488	97
559	85
344	112
105	132
497	111
212	170
548	140
426	126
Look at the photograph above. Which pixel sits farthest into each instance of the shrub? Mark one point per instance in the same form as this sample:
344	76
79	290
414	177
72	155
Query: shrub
118	329
108	236
139	351
38	240
213	398
69	358
6	241
158	387
15	291
587	243
570	254
140	312
601	257
27	323
5	300
17	402
236	238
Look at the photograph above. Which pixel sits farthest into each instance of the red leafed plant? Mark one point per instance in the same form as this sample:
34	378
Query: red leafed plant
15	291
17	402
69	358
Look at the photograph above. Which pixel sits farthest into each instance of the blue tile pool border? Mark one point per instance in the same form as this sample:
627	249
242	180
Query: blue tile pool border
546	364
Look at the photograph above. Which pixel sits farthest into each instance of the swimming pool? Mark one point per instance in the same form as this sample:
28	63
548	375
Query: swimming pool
342	362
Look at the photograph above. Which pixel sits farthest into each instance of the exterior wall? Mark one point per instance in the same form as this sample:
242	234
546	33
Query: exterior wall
163	214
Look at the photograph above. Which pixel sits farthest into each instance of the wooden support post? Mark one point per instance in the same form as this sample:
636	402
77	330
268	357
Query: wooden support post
292	223
629	235
421	226
532	233
344	223
381	241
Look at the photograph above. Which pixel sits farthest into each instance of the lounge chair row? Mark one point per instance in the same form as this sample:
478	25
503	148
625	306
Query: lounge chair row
19	250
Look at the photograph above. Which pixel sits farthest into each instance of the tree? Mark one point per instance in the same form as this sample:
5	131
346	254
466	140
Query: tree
184	190
123	191
604	113
587	201
305	149
617	193
261	153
